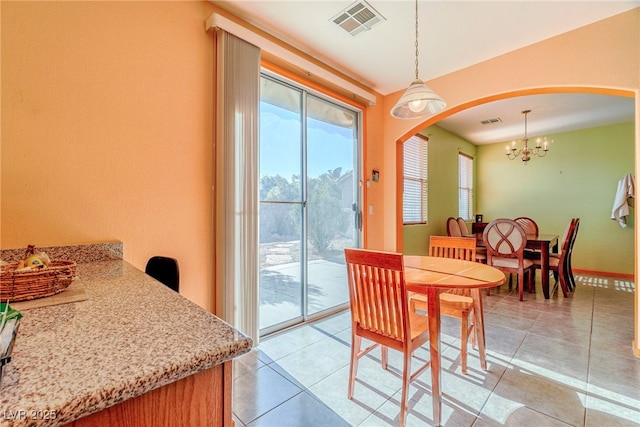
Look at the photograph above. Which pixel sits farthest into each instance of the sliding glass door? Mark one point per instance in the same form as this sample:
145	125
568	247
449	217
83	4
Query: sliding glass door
309	209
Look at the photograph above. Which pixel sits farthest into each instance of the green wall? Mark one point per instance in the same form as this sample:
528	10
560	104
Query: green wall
577	178
443	188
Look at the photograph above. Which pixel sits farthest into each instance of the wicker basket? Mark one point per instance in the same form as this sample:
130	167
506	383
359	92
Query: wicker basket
28	285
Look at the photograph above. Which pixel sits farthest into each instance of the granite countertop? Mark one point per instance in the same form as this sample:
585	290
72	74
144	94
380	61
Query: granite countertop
131	335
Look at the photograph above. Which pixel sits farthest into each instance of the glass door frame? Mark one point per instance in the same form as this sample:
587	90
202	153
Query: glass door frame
359	112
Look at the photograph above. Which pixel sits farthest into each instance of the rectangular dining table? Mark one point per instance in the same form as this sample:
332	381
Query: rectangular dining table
433	275
540	242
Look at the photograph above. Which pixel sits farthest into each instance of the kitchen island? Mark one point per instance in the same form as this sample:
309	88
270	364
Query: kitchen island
133	352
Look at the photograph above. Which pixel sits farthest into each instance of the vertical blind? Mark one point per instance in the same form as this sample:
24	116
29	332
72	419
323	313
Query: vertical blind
465	186
415	188
236	181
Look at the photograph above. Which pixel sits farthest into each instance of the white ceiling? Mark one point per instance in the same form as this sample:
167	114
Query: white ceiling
453	35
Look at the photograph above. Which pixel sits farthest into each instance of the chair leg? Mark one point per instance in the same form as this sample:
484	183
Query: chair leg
563	285
532	280
521	285
572	280
356	342
564	280
464	337
473	332
406	378
384	352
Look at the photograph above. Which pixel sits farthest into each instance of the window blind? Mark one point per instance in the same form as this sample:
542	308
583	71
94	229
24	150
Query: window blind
465	186
415	184
236	181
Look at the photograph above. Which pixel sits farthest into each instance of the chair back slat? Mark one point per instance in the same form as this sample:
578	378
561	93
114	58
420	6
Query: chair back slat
377	292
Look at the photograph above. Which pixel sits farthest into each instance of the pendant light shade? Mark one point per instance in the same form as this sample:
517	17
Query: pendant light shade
419	100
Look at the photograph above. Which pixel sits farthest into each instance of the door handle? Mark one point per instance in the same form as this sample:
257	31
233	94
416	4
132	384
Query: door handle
358	218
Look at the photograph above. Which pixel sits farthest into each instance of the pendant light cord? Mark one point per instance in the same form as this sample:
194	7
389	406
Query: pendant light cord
417	40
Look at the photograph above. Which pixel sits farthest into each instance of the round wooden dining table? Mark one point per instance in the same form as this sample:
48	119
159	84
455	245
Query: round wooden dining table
433	275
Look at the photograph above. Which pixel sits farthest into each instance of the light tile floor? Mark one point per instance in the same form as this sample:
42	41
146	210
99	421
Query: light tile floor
557	362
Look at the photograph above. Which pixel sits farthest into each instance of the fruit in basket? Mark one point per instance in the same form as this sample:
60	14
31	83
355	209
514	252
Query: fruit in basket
44	257
34	262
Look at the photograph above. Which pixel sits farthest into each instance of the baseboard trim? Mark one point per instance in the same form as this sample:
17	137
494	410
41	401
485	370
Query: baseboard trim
604	273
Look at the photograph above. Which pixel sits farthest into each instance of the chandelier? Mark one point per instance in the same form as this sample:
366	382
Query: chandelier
419	100
540	150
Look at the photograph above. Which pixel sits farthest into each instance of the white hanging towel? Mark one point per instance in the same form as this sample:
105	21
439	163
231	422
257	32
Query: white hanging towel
626	189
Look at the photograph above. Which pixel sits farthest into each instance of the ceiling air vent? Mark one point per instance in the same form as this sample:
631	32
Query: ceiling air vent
491	121
358	17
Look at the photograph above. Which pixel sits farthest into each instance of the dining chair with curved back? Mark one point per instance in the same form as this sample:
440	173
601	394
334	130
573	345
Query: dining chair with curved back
453	228
454	302
572	281
528	225
560	264
380	313
464	228
505	241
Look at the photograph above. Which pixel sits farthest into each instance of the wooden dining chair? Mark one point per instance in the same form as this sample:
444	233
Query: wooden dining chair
454	302
560	264
505	241
528	225
572	280
380	313
464	228
481	252
453	228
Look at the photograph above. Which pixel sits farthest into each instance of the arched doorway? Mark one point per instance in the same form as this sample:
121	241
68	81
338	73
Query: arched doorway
479	102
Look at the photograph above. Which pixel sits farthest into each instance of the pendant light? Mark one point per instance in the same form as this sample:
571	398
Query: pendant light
419	100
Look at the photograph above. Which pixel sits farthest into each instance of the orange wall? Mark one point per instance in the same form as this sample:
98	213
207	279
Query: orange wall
107	130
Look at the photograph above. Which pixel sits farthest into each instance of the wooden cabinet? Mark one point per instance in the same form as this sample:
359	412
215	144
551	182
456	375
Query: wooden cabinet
201	399
478	227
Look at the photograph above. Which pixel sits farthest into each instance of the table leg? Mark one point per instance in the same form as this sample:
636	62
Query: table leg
476	294
544	269
433	311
